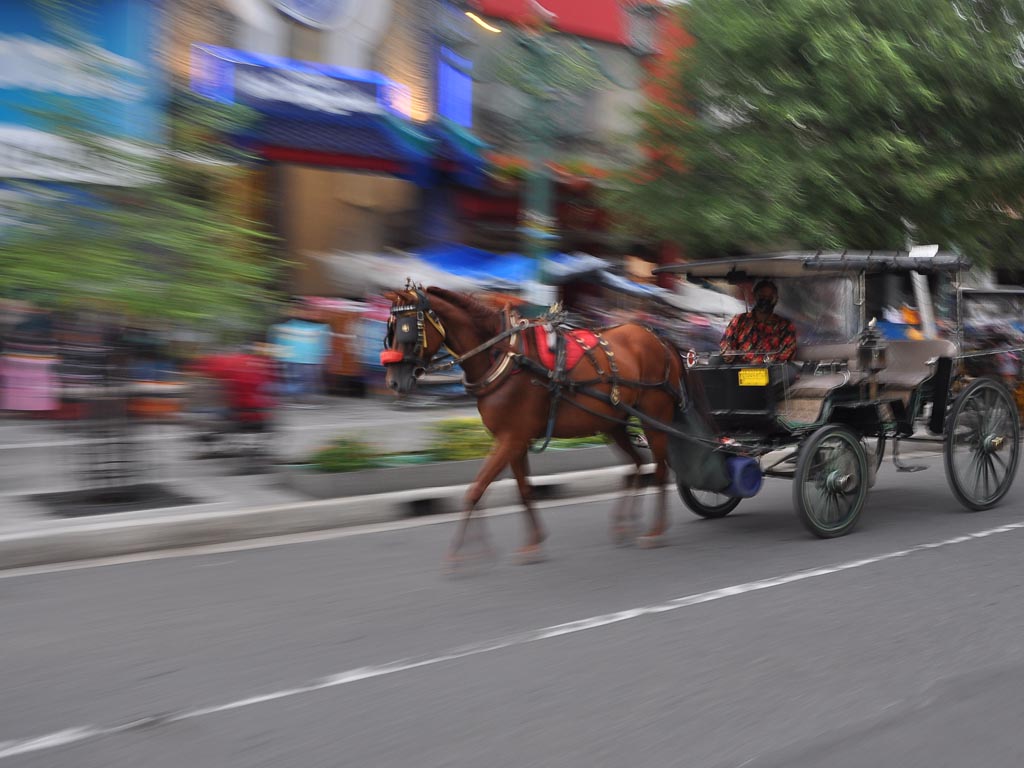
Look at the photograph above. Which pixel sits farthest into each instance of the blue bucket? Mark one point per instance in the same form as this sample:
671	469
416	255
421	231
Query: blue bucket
745	477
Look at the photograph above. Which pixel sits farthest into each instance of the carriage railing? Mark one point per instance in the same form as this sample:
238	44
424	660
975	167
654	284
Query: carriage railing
766	356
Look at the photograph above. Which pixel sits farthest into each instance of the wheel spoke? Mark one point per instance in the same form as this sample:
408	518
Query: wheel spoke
844	504
977	464
828	515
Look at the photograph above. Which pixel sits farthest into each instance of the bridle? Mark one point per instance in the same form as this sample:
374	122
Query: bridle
407	323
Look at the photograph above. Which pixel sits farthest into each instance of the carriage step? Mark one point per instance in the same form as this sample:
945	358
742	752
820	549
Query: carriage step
910	467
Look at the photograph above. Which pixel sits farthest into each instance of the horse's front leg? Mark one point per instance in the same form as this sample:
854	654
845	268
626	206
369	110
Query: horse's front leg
531	551
496	461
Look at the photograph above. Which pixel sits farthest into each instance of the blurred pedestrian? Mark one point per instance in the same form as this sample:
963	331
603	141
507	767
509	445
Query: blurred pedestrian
244	379
28	380
302	345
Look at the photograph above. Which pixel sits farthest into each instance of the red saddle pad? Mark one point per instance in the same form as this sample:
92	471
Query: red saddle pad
575	343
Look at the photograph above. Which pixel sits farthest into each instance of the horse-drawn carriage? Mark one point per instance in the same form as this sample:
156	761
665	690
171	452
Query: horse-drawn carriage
827	427
823	420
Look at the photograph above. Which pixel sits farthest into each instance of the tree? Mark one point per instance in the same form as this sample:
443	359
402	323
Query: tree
155	232
838	123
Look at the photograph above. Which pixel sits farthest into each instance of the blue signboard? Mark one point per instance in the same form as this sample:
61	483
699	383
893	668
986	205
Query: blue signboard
275	85
112	80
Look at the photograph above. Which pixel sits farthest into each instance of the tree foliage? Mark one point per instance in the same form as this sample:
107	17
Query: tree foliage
156	234
839	123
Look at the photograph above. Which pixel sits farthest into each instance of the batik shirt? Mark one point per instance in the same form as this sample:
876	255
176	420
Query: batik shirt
746	333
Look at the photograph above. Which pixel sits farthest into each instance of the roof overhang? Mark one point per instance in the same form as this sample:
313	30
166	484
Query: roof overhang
817	264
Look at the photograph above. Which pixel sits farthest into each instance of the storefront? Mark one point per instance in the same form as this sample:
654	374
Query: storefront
347	169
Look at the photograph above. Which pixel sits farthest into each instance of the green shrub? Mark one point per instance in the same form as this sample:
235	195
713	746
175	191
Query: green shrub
346	455
453	440
462	439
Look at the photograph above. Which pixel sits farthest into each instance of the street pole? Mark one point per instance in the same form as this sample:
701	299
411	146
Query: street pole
538	224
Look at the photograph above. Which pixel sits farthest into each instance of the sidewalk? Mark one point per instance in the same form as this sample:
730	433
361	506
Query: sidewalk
42	457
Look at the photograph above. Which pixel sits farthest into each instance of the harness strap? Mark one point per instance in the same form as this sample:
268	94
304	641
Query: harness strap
506	361
517	324
645	420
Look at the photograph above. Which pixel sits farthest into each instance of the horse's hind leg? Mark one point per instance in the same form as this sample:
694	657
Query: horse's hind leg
531	551
655	536
625	514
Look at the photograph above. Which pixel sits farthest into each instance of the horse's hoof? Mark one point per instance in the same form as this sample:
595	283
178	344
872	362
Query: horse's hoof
623	535
456	565
530	555
648	541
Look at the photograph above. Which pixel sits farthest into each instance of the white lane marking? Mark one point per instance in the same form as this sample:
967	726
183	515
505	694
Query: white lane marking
69	736
298	538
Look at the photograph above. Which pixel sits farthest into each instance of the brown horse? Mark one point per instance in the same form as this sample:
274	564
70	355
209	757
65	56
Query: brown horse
628	367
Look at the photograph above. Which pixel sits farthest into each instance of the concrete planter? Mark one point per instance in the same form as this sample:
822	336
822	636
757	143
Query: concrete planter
330	485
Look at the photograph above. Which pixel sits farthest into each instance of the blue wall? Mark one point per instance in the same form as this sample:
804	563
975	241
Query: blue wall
121	102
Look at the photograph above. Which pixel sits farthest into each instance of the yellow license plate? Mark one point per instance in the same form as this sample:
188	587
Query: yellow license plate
754	377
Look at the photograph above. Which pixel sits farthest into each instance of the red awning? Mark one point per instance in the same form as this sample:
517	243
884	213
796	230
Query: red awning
595	19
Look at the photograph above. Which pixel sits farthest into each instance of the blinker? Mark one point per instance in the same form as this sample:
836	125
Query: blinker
406	332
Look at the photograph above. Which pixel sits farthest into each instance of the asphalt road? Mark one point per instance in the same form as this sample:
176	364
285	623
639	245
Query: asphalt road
743	643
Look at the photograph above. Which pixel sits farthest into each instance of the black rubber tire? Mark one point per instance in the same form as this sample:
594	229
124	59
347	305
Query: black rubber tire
876	454
830	455
879	452
707	511
985	411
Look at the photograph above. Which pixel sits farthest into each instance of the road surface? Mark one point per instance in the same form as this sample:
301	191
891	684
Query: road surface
743	643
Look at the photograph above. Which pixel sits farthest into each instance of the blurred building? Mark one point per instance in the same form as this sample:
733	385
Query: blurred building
591	138
378	127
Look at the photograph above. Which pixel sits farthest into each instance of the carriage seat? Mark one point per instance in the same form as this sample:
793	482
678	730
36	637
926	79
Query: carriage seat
826	368
908	365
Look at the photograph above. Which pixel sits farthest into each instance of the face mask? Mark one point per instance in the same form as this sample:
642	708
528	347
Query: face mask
764	305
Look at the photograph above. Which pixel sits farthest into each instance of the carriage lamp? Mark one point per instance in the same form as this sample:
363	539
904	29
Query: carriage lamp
872	356
871	351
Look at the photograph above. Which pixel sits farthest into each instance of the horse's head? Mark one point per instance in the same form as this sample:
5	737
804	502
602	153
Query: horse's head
415	334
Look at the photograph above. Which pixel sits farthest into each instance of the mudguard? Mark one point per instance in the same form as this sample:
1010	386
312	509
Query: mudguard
697	465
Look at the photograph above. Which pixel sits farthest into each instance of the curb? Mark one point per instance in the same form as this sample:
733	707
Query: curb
111	538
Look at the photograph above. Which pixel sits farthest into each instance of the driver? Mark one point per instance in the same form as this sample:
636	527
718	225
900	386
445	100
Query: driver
760	335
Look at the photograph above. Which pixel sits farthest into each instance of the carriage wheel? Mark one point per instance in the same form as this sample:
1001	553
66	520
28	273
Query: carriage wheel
982	444
831	481
708	504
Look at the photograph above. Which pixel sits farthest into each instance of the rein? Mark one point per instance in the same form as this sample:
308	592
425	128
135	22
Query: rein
519	324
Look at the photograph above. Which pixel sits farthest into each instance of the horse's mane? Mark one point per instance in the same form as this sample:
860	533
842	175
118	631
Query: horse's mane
486	318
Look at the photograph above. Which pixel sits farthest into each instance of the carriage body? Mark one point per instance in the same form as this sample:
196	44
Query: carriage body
827	427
